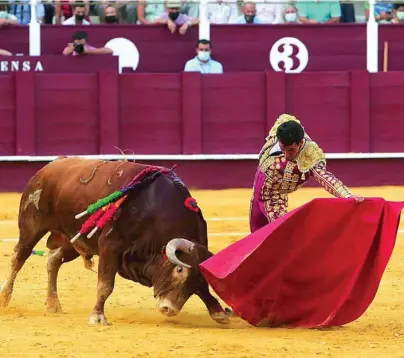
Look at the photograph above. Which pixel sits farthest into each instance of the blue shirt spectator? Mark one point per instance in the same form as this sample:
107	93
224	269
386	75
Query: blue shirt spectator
202	62
22	10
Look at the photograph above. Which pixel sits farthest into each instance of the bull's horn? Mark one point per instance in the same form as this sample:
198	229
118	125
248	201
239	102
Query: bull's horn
178	244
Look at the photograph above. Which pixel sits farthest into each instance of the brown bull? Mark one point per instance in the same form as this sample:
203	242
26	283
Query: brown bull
150	218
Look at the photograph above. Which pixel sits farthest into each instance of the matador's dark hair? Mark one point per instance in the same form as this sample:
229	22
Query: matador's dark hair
290	132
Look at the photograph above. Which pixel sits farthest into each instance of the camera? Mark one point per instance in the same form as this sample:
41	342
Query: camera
79	48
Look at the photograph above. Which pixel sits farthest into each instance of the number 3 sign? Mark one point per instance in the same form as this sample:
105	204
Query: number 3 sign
287	57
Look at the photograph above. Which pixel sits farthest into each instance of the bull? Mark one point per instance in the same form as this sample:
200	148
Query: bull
153	239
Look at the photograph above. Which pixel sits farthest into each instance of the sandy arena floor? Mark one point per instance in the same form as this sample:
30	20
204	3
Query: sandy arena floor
138	330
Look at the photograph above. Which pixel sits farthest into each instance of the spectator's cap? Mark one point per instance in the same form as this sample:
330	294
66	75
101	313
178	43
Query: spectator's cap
173	4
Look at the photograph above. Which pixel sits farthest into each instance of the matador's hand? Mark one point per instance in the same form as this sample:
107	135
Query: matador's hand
358	198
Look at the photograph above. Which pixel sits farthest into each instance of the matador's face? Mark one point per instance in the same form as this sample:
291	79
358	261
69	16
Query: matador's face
291	151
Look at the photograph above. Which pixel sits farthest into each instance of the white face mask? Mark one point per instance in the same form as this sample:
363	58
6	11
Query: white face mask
400	15
291	17
204	55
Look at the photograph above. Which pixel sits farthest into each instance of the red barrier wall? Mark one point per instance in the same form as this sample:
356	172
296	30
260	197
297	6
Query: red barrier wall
331	47
225	174
187	113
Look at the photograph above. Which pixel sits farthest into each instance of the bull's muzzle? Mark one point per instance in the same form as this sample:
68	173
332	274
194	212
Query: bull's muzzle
166	307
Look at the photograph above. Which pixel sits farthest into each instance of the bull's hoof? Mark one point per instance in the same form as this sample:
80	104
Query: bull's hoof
230	313
88	264
220	317
98	318
5	297
53	306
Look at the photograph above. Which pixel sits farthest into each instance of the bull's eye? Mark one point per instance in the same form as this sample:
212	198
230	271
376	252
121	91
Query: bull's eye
179	269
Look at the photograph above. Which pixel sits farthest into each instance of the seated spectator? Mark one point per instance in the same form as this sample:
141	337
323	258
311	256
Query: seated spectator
249	16
64	9
125	10
222	12
5	53
269	12
111	15
147	12
22	11
290	15
79	15
321	11
383	12
172	17
203	62
79	46
398	14
5	17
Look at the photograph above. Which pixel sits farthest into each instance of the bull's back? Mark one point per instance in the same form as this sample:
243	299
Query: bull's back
71	184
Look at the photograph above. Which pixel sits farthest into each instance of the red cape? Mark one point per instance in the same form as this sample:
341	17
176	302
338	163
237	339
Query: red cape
318	266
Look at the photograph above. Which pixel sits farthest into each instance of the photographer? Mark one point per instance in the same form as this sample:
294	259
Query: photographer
79	46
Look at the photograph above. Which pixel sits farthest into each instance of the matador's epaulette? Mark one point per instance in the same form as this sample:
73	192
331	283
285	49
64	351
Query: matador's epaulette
310	155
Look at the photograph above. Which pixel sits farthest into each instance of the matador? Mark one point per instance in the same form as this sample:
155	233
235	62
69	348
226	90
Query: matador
288	159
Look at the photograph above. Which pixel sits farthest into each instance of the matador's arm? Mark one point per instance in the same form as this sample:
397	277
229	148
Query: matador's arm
329	182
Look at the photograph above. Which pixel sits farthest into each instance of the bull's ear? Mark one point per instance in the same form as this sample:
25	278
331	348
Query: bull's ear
198	254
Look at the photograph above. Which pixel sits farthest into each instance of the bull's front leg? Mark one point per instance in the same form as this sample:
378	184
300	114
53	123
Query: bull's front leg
109	258
216	311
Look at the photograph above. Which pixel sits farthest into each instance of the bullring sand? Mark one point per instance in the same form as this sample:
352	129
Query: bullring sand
138	330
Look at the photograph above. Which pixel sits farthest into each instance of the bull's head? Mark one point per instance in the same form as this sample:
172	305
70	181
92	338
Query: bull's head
180	278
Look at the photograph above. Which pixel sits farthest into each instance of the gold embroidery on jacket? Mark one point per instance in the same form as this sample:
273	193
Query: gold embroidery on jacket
310	155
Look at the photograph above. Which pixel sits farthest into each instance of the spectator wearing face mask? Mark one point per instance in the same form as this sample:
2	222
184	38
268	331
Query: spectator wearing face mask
203	62
64	9
290	15
173	18
398	14
79	14
249	14
111	15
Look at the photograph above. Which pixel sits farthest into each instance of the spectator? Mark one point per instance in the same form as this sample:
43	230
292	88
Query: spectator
222	12
347	12
172	17
203	62
5	53
22	11
111	15
5	17
190	8
269	12
79	15
398	14
148	13
249	16
321	11
290	15
125	10
81	47
64	9
383	12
